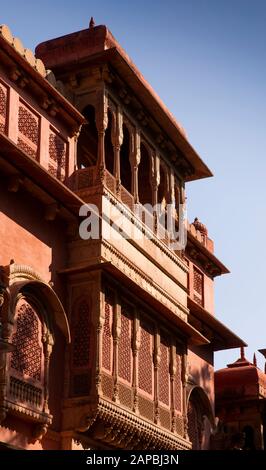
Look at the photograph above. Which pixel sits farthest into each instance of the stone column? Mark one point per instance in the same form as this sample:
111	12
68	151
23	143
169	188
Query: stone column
156	360
48	343
12	115
101	117
116	336
135	349
117	140
99	346
155	181
135	160
172	213
44	142
172	385
184	376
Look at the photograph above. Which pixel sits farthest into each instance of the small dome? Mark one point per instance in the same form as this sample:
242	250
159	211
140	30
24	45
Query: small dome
241	378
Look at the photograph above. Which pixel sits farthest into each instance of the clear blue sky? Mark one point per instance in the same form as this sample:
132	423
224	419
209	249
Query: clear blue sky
206	59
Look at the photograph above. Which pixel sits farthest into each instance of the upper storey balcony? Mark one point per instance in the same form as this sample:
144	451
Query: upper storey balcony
130	141
37	124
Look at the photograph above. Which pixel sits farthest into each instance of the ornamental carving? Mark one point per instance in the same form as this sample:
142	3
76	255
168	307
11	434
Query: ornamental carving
124	347
164	377
107	333
27	356
28	127
145	369
3	107
81	334
57	156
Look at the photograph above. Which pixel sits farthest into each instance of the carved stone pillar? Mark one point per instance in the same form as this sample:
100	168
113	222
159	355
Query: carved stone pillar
116	336
99	347
5	333
48	343
155	181
117	140
182	194
135	349
101	117
155	178
156	360
172	213
172	385
134	161
184	377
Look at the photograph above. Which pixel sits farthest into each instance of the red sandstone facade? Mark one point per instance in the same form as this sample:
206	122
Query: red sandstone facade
113	338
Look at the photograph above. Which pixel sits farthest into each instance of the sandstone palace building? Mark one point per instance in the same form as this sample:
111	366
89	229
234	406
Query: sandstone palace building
107	342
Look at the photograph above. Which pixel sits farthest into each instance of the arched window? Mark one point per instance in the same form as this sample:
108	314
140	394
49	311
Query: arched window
200	418
125	166
193	424
87	147
144	176
29	362
109	151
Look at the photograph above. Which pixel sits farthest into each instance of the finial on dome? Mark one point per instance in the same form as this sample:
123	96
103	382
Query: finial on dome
255	360
242	353
92	23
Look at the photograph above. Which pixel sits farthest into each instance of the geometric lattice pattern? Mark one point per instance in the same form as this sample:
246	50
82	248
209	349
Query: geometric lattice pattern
178	385
164	378
107	333
198	286
81	335
124	347
57	156
27	356
193	431
3	107
28	127
145	363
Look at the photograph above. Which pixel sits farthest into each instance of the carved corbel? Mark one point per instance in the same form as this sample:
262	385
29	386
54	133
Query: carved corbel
51	211
88	419
14	183
39	431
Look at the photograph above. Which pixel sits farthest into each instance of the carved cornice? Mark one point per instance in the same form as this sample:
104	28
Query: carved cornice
40	417
141	226
117	427
111	253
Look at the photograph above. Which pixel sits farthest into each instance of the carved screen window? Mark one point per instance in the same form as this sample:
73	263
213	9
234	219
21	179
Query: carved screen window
164	376
124	345
81	355
28	130
57	156
27	359
198	286
107	341
3	107
145	360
